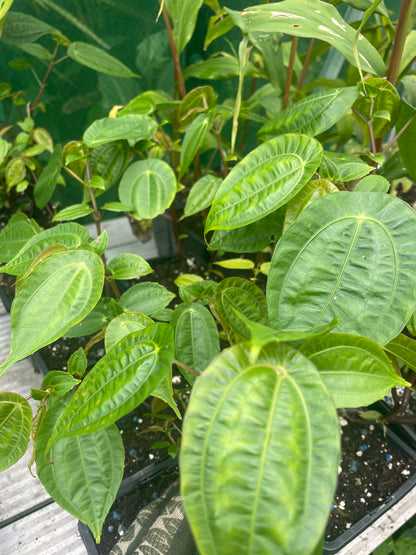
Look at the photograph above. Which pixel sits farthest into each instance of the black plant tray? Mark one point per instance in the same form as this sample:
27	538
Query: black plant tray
403	437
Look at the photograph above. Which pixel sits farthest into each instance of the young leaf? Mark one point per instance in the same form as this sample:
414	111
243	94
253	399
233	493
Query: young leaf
15	421
193	140
118	383
183	14
340	168
18	231
60	382
201	195
45	185
380	102
197	102
59	292
99	60
264	415
128	266
264	180
73	212
104	311
77	363
108	161
350	256
82	474
147	298
355	369
106	130
196	337
312	115
149	187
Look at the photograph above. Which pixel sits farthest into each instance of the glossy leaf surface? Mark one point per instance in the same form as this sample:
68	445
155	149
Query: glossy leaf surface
128	266
312	115
193	140
122	325
148	298
355	369
99	60
83	473
374	183
15	421
404	348
59	382
340	168
259	453
106	130
148	187
18	231
380	103
56	295
310	19
201	195
264	180
119	382
350	256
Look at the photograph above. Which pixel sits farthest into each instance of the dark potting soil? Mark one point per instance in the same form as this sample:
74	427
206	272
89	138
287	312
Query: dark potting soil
372	468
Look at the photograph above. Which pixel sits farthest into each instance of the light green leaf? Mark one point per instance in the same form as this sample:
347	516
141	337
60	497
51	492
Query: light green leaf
196	337
77	363
312	115
73	212
201	195
375	183
149	187
236	263
82	474
5	7
260	427
407	138
380	103
99	60
219	67
264	180
20	28
4	149
99	244
128	266
59	292
339	167
355	369
198	101
118	383
146	297
15	235
404	348
183	14
201	290
71	235
348	255
45	185
106	130
59	382
122	325
246	298
312	19
15	421
15	172
36	50
104	311
193	140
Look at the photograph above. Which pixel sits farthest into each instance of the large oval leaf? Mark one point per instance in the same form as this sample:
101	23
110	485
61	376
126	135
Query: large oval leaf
99	60
71	235
15	421
149	187
119	382
20	28
133	127
355	369
15	234
82	474
312	115
259	453
57	294
312	19
350	255
196	337
264	180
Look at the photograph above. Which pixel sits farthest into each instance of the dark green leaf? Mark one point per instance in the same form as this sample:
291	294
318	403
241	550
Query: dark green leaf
45	185
98	60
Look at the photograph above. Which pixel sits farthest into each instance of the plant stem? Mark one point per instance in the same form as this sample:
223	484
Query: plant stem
403	24
285	100
305	65
186	367
32	106
178	71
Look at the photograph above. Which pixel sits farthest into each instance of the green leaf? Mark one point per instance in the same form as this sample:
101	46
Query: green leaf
149	187
246	298
36	50
15	422
409	51
99	244
250	238
312	115
104	311
106	130
73	212
77	363
407	138
59	292
15	172
99	60
82	474
259	453
118	383
45	185
380	103
15	235
375	183
202	290
183	14
198	101
139	105
4	149
196	337
310	192
312	20
219	67
146	297
20	28
128	266
340	168
108	161
355	369
5	88
348	255
193	140
264	180
71	235
201	195
5	7
122	325
236	263
404	348
59	382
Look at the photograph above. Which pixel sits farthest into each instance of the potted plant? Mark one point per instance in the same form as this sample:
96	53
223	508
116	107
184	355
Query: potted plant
261	437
